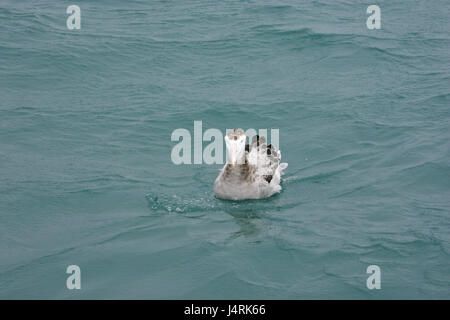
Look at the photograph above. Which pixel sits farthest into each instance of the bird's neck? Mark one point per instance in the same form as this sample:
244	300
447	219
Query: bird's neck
239	172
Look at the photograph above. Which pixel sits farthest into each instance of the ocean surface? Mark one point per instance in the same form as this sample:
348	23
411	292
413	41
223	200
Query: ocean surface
86	176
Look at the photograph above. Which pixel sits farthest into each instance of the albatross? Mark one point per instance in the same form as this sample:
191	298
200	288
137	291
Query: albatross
252	171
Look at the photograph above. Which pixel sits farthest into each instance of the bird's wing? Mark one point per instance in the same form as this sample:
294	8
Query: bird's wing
266	160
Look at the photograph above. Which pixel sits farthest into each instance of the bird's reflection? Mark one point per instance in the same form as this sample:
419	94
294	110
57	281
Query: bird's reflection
252	217
250	222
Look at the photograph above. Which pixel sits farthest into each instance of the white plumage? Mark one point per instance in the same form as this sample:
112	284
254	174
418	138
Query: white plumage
251	172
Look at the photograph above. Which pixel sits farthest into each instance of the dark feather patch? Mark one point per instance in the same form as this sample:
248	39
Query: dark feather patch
269	149
255	140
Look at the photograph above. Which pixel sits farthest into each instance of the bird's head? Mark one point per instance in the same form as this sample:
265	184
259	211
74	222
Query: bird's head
235	143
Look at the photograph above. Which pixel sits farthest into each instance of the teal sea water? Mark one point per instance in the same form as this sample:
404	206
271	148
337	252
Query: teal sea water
86	176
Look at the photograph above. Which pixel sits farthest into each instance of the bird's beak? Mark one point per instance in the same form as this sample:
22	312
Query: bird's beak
233	154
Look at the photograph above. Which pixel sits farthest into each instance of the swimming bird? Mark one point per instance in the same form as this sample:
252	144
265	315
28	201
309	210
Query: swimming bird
252	171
